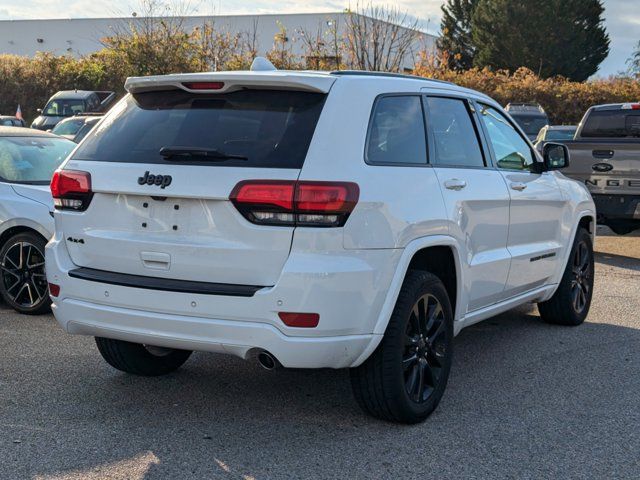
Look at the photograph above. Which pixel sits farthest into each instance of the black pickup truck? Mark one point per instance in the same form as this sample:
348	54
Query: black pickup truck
68	103
605	155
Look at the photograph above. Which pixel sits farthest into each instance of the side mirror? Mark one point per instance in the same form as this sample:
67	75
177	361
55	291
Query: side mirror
39	110
555	155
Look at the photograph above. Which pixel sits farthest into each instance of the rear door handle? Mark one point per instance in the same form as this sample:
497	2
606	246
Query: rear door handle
519	186
455	184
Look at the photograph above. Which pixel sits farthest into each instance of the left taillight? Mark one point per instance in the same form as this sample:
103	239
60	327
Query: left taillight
295	203
71	190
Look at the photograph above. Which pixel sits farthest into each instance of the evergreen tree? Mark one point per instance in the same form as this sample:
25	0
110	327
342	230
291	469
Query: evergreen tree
634	62
551	37
456	42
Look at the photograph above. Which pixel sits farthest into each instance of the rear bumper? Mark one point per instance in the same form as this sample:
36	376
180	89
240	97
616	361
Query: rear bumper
347	289
617	207
208	334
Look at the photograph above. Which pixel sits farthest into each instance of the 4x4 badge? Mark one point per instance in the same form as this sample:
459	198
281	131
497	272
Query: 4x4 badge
161	180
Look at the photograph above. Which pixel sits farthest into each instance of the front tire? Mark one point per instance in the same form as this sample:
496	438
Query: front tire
23	282
405	377
571	302
139	359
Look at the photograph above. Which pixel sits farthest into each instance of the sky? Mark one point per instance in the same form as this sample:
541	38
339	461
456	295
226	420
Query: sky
622	16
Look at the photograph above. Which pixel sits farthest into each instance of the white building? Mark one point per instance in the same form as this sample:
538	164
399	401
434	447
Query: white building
83	36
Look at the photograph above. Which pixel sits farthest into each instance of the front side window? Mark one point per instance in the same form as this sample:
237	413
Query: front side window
31	159
511	150
455	138
397	133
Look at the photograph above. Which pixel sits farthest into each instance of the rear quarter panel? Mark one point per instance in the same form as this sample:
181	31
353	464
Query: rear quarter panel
397	203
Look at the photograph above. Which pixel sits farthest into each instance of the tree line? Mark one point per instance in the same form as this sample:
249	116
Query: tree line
485	45
550	37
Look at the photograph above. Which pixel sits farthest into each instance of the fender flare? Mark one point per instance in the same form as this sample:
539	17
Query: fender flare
26	223
398	278
574	230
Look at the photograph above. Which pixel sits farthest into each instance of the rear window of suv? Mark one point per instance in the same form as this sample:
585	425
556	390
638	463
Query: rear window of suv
252	128
612	123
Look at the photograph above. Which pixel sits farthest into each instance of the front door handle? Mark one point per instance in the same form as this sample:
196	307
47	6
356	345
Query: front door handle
455	184
519	186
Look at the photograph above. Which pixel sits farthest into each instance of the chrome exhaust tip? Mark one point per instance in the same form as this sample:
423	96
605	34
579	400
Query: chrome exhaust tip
267	361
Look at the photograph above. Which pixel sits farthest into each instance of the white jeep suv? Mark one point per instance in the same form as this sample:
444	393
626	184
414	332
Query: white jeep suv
339	219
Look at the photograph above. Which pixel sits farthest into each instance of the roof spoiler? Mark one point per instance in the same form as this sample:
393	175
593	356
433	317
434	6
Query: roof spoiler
262	75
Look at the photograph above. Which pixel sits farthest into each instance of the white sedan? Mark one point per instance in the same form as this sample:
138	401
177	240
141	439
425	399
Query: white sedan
28	158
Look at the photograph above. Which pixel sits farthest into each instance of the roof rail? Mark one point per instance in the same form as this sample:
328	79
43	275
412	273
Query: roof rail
367	73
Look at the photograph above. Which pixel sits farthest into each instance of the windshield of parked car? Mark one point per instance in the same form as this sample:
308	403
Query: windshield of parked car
560	134
31	159
530	124
246	128
68	127
612	124
62	107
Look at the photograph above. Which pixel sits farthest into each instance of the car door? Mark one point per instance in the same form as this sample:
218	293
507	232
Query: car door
475	196
537	204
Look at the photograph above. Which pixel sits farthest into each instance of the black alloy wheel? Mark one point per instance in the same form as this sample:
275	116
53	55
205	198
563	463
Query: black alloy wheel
24	281
582	282
404	379
571	301
425	348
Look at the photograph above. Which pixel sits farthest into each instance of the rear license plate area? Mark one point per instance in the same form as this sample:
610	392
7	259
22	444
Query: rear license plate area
162	214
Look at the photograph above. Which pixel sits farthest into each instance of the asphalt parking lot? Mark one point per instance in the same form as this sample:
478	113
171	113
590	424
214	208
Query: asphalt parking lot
525	400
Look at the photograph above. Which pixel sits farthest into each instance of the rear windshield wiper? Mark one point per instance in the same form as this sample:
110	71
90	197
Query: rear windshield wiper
182	153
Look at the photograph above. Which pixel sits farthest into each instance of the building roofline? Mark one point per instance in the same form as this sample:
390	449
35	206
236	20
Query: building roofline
197	17
66	19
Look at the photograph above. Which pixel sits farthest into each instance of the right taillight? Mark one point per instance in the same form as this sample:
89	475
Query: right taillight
291	203
71	190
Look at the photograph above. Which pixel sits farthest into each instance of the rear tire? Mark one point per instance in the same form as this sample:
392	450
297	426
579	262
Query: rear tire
571	302
405	377
139	359
23	282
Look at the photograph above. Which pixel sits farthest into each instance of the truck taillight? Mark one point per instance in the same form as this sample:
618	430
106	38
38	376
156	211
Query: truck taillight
71	190
291	203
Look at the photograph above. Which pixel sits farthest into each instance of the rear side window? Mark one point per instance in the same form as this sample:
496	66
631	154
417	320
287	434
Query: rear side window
396	131
254	128
455	137
612	123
